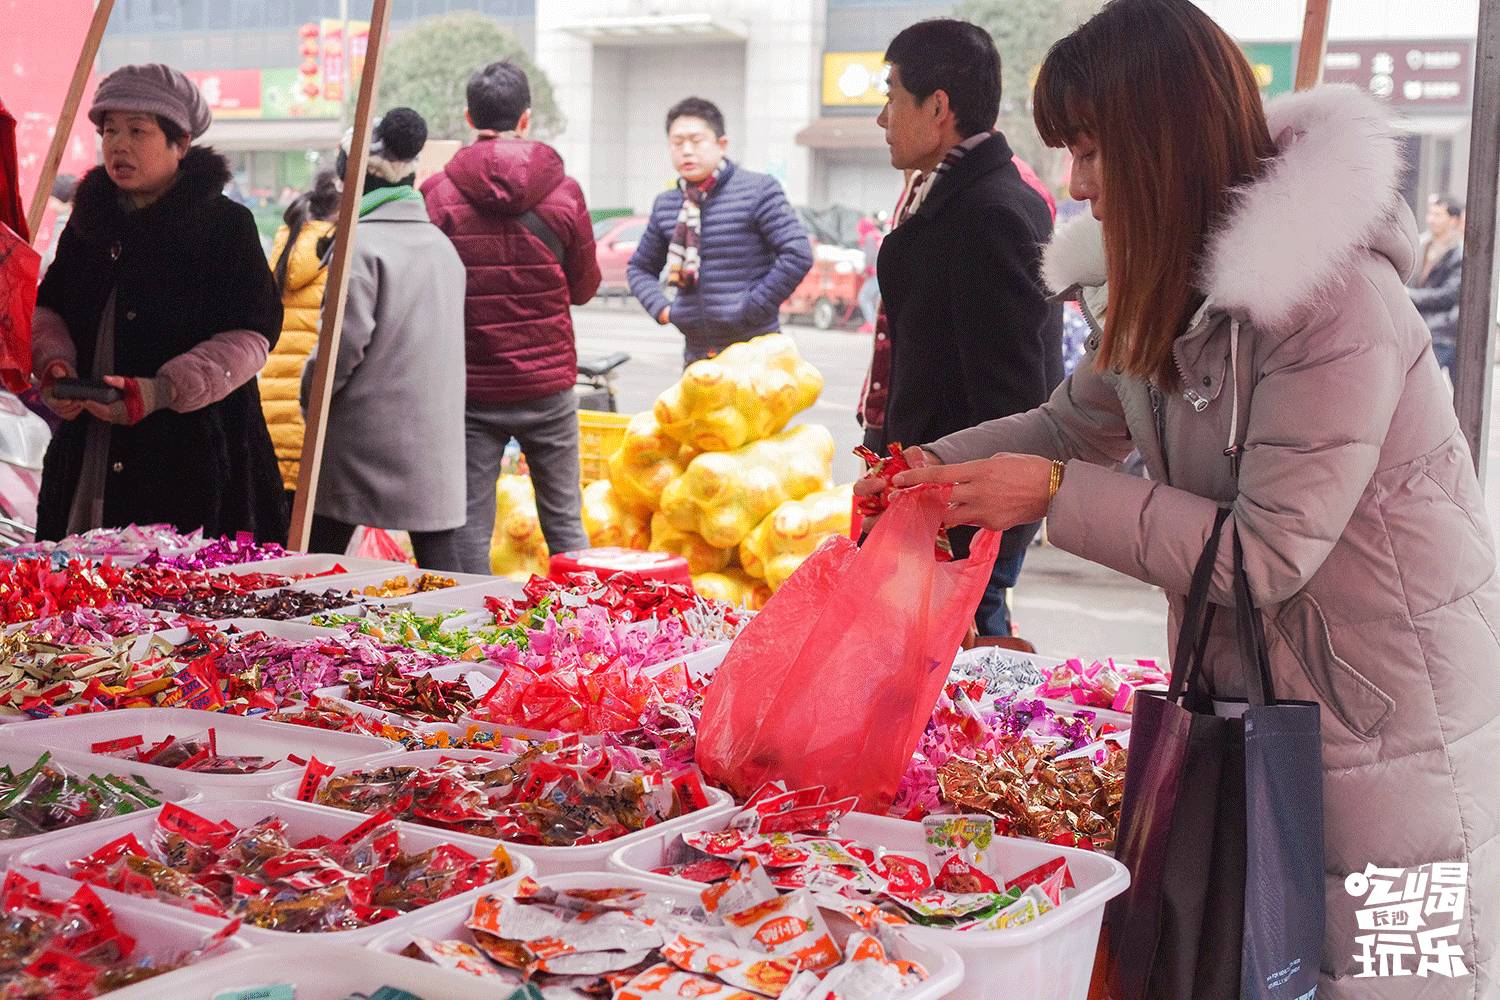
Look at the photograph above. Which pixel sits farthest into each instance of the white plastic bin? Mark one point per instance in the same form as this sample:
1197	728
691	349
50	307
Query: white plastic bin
318	971
354	582
314	562
159	934
445	921
302	821
283	630
700	665
1050	958
549	860
235	734
468	598
18	758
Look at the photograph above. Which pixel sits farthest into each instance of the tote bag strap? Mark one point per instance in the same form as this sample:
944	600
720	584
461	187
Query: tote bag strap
1255	661
1197	615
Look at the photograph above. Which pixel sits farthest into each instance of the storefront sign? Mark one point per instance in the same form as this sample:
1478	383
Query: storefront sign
1409	74
1274	66
854	79
230	93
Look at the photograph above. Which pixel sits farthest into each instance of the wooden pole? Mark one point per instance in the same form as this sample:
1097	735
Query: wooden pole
67	115
1314	45
337	288
1476	296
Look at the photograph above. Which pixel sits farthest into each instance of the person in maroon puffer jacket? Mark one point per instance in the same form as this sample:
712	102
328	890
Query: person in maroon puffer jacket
523	231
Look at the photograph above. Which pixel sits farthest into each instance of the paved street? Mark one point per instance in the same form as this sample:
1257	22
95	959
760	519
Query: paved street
1065	605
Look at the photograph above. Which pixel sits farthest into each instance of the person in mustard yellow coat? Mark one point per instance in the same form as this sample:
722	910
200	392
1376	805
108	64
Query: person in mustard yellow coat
296	260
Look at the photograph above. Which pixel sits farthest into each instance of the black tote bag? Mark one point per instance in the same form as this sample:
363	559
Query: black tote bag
1215	791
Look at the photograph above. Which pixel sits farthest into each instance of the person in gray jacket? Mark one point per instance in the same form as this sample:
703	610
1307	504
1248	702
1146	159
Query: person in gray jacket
1292	382
393	453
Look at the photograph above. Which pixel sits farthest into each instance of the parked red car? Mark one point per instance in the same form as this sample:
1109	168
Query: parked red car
615	240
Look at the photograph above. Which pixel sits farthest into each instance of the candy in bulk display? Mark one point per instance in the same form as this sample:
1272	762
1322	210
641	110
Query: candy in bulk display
202	762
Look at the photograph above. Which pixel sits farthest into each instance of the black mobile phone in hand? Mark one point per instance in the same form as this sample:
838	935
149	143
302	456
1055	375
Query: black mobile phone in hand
94	390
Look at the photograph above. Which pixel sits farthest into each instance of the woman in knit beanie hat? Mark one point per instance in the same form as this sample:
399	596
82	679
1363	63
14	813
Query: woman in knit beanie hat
160	294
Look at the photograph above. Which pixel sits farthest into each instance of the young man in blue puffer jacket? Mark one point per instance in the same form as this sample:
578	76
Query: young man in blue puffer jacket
732	246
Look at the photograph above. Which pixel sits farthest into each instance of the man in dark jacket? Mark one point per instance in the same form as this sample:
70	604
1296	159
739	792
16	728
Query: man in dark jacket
732	246
522	229
1434	286
971	334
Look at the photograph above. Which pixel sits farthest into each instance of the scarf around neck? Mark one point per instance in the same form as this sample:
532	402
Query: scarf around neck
683	252
371	200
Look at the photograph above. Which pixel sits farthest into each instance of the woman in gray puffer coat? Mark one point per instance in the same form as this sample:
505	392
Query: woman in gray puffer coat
1280	238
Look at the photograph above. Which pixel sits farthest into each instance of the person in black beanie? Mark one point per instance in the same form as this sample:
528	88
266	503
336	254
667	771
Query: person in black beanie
394	449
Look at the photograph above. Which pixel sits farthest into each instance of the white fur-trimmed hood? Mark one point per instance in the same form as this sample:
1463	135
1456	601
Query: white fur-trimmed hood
1331	193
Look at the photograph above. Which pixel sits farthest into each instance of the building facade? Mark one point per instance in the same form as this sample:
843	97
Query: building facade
800	81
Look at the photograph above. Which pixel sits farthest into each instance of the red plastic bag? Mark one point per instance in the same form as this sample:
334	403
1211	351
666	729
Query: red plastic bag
19	267
833	683
377	543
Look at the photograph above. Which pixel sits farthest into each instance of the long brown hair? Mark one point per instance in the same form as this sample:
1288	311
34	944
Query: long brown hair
1172	104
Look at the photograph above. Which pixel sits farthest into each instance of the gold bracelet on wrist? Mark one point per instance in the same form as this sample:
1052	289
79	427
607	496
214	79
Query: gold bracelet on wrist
1054	481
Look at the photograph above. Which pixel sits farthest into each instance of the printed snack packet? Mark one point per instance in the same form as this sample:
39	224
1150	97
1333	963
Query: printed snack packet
958	847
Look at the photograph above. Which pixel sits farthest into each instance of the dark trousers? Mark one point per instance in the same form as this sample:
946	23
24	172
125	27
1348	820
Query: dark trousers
435	550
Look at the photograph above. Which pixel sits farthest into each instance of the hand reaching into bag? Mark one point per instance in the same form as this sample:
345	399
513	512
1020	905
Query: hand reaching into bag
996	493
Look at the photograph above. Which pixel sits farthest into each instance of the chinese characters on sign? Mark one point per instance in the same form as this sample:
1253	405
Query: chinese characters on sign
1409	74
1410	919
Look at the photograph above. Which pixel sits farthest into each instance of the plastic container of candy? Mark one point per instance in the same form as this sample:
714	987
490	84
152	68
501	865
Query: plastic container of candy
282	630
159	934
234	734
303	822
315	970
354	582
469	597
700	665
18	758
315	562
445	921
1048	958
548	860
482	677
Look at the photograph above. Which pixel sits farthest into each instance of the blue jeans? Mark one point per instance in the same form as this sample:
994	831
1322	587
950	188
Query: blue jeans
993	614
869	300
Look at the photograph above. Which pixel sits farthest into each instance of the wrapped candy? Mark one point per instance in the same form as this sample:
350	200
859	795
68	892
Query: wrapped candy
561	797
1002	671
964	724
723	495
334	716
1072	800
609	523
196	752
623	596
701	557
74	949
243	548
788	841
128	544
257	873
1103	684
647	460
83	626
746	393
433	634
39	678
634	944
419	697
734	586
402	586
48	796
789	534
518	547
278	605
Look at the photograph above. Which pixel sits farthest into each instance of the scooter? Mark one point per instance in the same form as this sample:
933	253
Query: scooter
596	382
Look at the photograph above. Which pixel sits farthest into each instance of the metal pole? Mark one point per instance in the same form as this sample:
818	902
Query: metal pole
337	288
1476	297
66	116
1314	45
